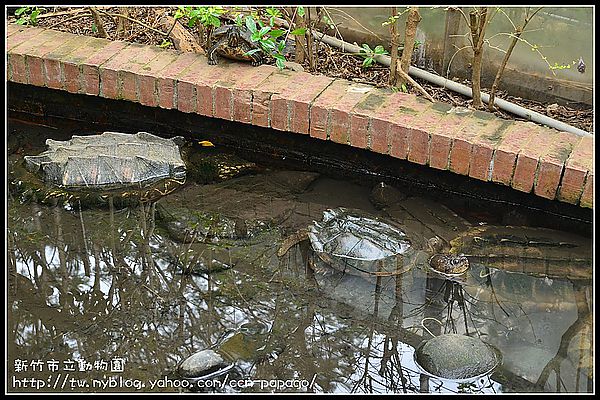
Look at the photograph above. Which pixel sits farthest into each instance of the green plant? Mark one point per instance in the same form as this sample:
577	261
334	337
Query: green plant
266	38
206	16
370	54
28	15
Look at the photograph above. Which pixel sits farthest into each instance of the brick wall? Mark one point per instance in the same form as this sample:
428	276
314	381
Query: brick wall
525	156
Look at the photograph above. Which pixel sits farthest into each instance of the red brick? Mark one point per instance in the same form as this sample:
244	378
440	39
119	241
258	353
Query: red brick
482	150
576	168
301	101
359	131
17	69
398	137
29	39
116	81
90	72
460	156
243	92
165	79
18	34
276	82
506	151
325	109
587	197
439	151
552	163
379	136
526	168
146	77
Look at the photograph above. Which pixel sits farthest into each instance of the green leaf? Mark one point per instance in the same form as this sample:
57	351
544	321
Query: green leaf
21	21
264	30
298	32
21	10
250	24
94	27
367	48
280	64
301	11
273	12
275	33
281	46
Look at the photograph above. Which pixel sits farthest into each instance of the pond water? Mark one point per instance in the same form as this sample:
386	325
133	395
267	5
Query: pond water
115	298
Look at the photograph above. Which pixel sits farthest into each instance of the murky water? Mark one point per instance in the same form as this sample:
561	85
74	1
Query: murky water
113	299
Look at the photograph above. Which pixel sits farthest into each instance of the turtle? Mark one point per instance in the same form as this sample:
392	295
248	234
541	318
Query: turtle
121	167
234	42
358	243
457	357
94	168
537	251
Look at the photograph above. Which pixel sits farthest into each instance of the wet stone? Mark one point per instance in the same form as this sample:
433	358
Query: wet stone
201	364
452	356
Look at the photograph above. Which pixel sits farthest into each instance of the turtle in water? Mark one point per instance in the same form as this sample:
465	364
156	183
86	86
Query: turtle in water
360	244
234	42
457	357
121	168
95	168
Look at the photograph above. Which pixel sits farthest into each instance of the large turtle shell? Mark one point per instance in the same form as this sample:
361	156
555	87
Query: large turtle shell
457	357
353	239
111	160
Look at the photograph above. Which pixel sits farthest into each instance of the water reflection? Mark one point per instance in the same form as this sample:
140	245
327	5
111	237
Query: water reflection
104	284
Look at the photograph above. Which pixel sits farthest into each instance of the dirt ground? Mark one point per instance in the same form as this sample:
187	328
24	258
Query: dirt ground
144	27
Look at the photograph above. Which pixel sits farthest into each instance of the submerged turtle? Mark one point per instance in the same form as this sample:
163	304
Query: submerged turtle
234	42
357	243
141	166
204	365
457	357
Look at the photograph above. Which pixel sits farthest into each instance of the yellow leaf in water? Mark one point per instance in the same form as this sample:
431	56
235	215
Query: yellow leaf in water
206	143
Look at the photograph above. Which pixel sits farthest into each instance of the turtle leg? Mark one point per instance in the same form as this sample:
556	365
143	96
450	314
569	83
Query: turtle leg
212	51
257	59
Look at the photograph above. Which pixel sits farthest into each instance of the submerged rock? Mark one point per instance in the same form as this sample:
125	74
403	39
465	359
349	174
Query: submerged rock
202	364
458	357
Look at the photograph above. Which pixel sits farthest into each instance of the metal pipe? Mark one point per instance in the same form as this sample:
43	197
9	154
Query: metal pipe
459	88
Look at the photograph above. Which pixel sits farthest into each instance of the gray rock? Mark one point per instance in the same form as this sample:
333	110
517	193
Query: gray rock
452	356
202	363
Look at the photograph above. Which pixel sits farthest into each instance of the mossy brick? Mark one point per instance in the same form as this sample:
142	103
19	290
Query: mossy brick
165	79
71	56
25	35
276	82
146	77
103	50
462	143
300	99
234	88
341	111
526	168
506	150
289	108
577	166
552	164
137	57
418	134
441	136
379	106
190	83
482	149
587	197
359	131
16	33
243	92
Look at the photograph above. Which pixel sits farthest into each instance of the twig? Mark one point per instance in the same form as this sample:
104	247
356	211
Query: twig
87	14
136	21
407	77
98	22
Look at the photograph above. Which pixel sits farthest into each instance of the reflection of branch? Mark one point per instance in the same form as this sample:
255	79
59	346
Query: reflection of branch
583	319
